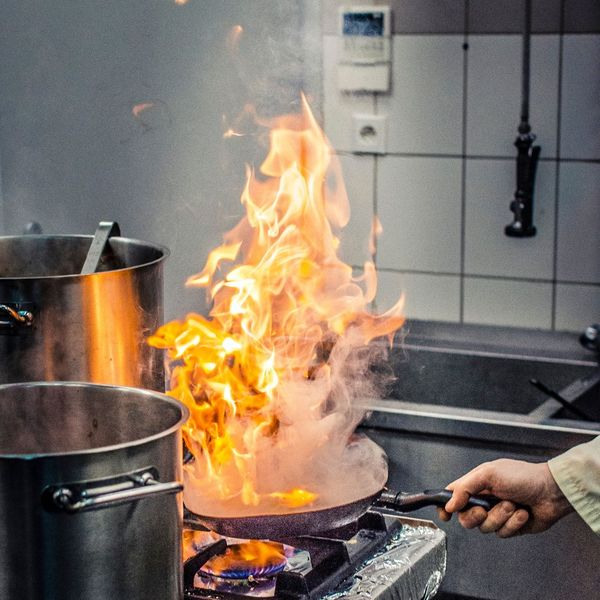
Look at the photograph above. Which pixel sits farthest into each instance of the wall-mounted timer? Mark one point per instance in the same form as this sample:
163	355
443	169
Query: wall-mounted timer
364	48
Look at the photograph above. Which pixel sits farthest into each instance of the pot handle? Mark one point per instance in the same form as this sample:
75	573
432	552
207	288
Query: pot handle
16	317
69	499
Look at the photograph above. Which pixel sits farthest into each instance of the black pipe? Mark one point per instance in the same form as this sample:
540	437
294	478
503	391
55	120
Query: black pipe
524	126
527	153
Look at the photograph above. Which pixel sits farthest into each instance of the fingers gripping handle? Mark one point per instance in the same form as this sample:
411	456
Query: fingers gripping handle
406	502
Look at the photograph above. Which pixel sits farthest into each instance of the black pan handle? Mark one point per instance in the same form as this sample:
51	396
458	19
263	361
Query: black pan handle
407	502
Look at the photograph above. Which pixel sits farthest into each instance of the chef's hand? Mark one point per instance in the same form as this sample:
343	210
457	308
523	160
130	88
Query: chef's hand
515	482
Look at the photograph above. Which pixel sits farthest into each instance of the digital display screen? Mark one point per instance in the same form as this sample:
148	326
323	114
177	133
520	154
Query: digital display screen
367	23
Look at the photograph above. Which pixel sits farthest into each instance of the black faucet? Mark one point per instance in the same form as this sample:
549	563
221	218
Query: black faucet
522	204
527	153
590	338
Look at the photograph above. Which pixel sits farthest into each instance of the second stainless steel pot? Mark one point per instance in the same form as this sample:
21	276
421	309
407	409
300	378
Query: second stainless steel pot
59	325
89	502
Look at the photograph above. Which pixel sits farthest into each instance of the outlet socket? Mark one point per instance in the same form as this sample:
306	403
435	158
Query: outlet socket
369	134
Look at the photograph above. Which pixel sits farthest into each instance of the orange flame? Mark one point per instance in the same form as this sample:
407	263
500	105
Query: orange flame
138	109
194	541
232	133
277	319
251	554
294	498
233	38
243	123
376	231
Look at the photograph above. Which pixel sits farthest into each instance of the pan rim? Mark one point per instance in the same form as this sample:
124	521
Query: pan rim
370	498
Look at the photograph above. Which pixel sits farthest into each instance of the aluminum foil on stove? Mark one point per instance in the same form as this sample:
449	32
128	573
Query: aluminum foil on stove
410	566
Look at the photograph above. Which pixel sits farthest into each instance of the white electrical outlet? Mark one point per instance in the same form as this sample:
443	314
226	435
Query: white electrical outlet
369	133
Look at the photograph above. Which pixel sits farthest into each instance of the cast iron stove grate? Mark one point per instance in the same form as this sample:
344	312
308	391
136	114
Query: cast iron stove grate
334	558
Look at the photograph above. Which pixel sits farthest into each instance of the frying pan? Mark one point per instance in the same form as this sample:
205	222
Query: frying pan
276	526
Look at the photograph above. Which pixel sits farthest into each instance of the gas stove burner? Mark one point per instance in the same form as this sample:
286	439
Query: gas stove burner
247	560
301	568
255	588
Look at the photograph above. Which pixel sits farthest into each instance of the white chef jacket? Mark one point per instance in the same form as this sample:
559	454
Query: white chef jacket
577	473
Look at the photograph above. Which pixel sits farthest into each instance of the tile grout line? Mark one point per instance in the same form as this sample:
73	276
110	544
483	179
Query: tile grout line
463	176
475	157
375	203
481	33
401	271
557	170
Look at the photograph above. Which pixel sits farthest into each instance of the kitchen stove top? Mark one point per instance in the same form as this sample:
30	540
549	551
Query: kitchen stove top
315	565
327	565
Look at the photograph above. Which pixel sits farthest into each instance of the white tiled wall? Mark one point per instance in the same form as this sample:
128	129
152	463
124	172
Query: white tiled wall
358	172
580	121
425	107
419	207
508	302
422	294
494	93
574	304
488	251
579	222
442	191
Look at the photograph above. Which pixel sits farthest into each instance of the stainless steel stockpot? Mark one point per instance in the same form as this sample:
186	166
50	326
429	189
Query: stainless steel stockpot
89	502
59	325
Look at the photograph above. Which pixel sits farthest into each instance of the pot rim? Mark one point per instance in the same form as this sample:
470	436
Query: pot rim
163	249
185	413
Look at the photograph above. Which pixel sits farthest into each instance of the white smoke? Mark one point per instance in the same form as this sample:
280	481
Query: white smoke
316	447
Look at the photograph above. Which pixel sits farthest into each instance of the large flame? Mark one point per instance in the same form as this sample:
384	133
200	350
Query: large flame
272	377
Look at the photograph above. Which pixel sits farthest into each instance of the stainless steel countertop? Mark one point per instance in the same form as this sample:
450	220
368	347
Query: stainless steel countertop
495	339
